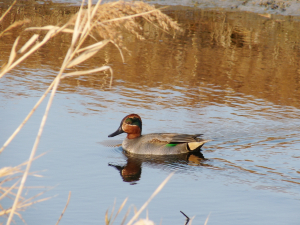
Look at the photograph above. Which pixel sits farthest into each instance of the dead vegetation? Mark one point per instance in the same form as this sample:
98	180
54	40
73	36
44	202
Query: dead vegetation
109	219
15	24
104	24
9	183
111	20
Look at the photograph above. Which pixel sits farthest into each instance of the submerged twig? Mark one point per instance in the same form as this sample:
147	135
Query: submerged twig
187	218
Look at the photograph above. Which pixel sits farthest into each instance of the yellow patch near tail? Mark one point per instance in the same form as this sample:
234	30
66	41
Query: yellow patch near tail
194	145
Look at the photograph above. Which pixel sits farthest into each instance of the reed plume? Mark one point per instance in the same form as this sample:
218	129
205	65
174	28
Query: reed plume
113	19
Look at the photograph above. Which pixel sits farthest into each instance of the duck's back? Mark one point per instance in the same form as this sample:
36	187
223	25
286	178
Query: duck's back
162	143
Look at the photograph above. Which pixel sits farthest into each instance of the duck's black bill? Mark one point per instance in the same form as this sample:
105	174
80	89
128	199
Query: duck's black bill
117	132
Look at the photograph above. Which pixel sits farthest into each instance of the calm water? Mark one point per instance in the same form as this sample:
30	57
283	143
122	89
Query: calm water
232	76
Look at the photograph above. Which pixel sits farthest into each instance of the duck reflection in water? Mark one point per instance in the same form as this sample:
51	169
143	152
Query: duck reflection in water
132	170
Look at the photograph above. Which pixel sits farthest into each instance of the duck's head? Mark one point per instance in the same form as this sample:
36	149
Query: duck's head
131	124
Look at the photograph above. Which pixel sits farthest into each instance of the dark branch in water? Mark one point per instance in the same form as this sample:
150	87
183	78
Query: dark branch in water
187	218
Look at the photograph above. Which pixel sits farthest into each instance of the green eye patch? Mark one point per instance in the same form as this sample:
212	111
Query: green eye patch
133	121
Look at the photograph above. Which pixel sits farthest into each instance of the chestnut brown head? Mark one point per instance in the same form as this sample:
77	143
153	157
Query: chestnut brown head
131	124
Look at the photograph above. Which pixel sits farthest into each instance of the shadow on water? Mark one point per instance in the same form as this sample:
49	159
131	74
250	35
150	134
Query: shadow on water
131	171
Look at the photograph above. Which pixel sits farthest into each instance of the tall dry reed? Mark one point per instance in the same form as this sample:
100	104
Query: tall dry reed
103	23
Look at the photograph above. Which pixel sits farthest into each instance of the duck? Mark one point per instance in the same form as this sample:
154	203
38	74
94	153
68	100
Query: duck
156	143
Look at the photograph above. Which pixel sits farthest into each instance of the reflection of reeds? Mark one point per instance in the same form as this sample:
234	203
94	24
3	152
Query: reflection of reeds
107	22
7	11
15	24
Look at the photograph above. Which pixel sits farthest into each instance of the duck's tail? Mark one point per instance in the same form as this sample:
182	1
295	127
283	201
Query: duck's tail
196	146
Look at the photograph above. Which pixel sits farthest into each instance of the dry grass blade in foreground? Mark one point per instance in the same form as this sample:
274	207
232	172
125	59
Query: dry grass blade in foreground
105	24
7	176
109	221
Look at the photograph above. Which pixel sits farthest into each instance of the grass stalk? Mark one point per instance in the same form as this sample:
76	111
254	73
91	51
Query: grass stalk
7	11
158	189
14	25
51	33
206	221
9	190
84	24
27	117
61	215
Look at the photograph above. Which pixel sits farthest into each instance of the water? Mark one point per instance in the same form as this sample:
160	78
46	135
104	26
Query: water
232	76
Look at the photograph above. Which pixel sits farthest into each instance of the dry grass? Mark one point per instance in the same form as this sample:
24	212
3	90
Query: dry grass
7	11
110	221
105	24
113	19
15	24
10	179
69	197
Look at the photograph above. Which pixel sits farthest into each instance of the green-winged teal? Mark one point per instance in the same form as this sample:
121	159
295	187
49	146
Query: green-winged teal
157	143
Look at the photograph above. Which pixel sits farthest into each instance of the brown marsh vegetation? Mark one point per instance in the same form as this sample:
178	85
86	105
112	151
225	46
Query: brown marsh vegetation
103	24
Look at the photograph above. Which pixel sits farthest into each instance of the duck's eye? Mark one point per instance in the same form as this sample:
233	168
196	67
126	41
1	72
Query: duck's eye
128	121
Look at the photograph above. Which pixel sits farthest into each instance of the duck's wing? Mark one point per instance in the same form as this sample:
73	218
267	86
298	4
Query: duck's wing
193	142
176	138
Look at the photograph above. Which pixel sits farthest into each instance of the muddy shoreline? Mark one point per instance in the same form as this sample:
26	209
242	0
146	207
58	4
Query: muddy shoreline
277	7
269	7
265	7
